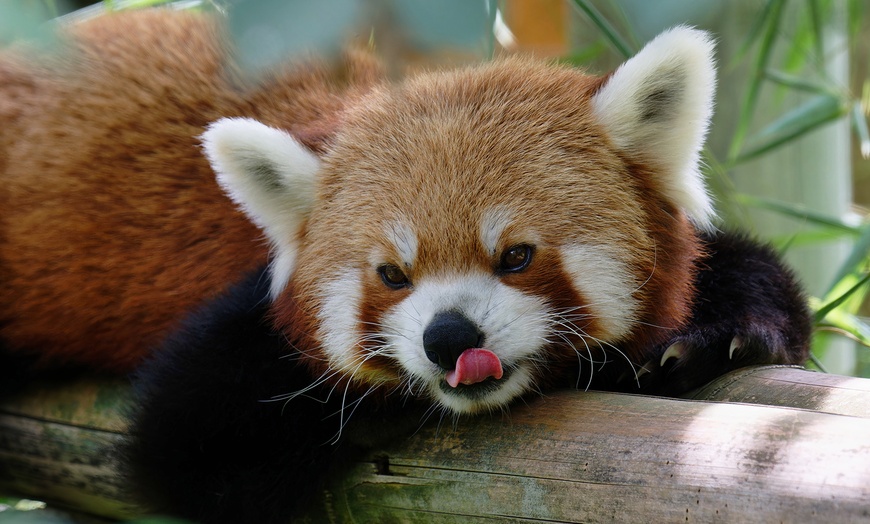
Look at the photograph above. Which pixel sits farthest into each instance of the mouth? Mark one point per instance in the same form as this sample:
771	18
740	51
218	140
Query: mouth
478	390
474	365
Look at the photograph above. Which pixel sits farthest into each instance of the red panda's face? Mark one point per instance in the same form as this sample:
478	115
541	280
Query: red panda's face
469	247
474	235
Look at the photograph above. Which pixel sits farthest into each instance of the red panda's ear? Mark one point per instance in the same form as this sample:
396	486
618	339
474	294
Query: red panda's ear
656	108
271	176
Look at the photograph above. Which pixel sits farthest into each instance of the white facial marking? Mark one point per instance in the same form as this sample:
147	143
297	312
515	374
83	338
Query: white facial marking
281	269
339	318
493	224
608	285
405	241
515	326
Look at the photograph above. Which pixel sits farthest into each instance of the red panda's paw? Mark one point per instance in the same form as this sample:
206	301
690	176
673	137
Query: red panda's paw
697	356
749	310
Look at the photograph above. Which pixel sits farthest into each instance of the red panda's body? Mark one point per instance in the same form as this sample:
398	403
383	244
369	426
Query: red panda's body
113	226
454	241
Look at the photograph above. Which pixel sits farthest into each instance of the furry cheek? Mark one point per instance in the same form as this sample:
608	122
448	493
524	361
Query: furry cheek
608	285
338	321
350	343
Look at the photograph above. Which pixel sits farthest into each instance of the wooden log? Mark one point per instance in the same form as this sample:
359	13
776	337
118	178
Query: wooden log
57	443
595	457
567	457
792	387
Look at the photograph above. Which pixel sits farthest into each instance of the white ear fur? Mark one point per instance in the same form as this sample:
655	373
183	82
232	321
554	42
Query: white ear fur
656	107
271	176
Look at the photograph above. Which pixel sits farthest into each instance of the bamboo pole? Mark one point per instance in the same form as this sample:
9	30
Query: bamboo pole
571	456
57	443
790	386
596	457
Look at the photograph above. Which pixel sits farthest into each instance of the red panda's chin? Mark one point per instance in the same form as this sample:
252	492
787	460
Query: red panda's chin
489	395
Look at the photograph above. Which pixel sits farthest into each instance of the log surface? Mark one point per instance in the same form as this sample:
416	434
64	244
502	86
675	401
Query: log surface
58	441
568	457
791	386
604	457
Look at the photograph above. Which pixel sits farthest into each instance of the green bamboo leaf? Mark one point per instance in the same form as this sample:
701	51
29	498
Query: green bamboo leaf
816	24
796	82
747	108
857	257
809	116
107	6
138	4
801	55
823	311
848	324
799	212
786	245
808	238
612	35
584	56
752	35
630	35
855	16
818	363
859	122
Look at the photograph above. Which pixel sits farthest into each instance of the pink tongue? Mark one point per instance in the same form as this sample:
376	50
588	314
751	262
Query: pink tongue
474	365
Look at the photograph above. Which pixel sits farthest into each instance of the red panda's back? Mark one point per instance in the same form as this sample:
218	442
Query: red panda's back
113	226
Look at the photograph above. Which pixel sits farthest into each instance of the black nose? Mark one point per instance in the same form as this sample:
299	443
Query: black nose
447	336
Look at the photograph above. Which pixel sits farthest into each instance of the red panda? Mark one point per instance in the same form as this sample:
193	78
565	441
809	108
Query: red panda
459	239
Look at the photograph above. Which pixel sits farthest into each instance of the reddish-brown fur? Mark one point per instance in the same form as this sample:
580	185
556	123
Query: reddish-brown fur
113	226
513	124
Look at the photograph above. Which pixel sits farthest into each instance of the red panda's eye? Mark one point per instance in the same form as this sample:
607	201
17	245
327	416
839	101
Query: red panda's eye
393	276
516	258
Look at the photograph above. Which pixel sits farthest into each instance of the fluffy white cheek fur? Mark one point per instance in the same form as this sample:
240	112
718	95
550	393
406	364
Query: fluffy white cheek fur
515	327
607	284
339	318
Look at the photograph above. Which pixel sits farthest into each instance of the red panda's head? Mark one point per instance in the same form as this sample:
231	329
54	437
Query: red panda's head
469	236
